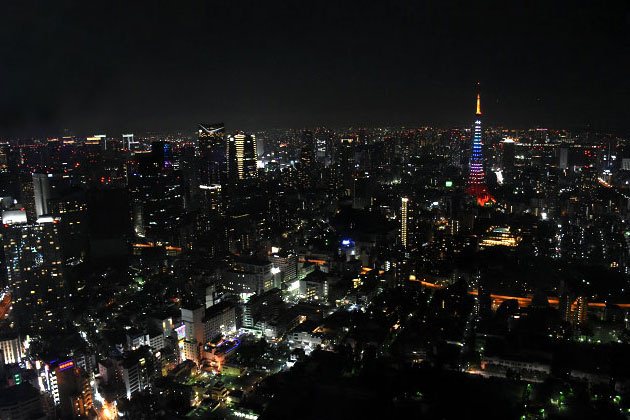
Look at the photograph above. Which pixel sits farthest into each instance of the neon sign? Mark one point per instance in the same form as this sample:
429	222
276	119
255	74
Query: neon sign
66	365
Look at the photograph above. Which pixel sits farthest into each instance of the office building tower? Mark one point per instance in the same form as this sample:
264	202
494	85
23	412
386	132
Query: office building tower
307	141
211	172
158	196
581	310
138	371
564	307
70	208
132	373
286	263
212	149
33	262
344	166
69	387
26	195
306	160
564	158
5	153
41	193
242	157
9	172
476	174
404	220
321	146
361	192
161	155
509	154
47	186
306	167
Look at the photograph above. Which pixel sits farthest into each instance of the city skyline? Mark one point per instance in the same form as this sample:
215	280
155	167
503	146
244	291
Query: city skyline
326	210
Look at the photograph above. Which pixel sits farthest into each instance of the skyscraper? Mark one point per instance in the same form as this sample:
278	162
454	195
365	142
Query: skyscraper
33	263
158	194
476	174
212	151
581	310
47	186
345	165
241	156
404	218
41	192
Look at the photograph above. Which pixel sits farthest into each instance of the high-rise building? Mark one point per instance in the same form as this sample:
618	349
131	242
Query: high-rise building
287	264
344	166
33	262
564	158
138	371
476	174
41	193
565	307
211	171
581	310
321	146
212	150
47	186
307	160
158	194
9	172
70	207
508	157
241	156
133	373
69	387
404	219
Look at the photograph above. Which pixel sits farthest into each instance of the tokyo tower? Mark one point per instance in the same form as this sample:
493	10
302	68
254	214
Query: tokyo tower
476	186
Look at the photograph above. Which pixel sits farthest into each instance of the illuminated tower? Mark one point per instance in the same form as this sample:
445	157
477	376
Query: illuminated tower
476	175
403	221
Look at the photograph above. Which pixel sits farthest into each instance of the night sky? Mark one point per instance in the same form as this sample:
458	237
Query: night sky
112	66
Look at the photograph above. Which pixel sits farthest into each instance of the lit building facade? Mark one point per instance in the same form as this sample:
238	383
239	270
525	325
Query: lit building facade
33	262
12	349
404	218
241	155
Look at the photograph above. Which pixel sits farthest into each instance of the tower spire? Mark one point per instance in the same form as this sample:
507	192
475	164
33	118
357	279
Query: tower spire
478	100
